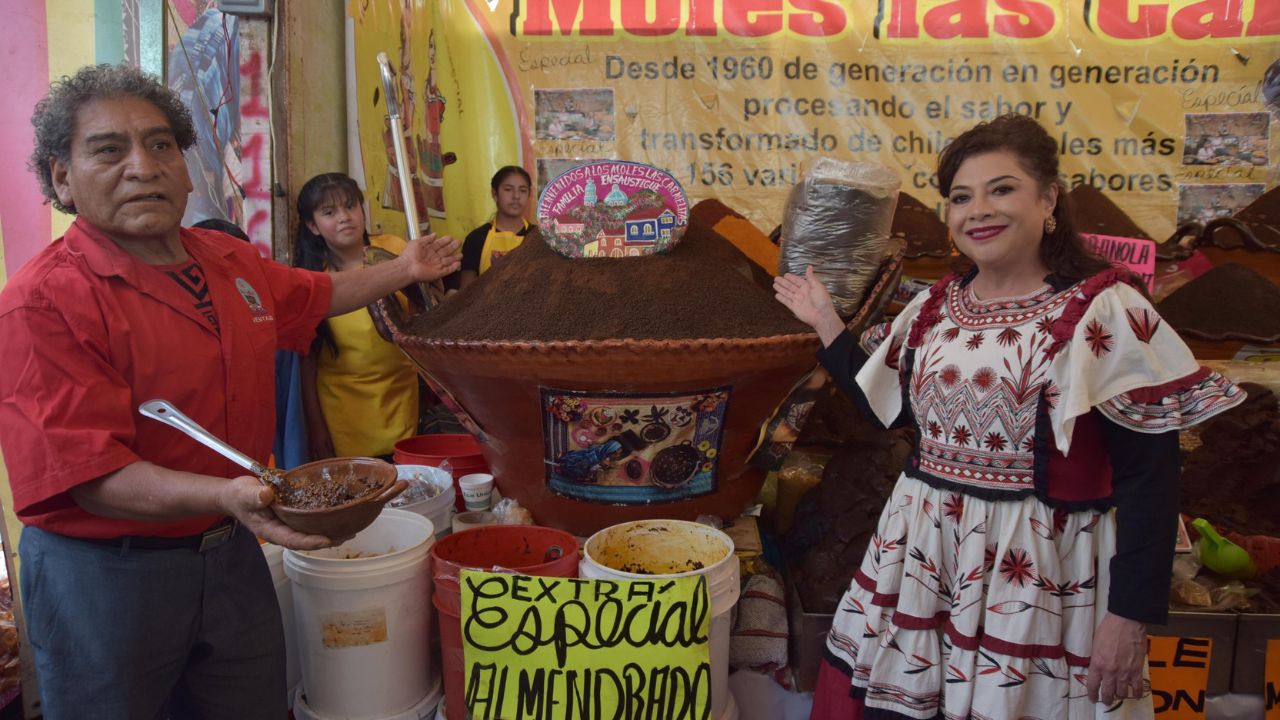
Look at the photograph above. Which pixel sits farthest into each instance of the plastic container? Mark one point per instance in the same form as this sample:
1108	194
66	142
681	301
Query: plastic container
426	709
438	508
676	548
526	549
284	595
462	452
363	614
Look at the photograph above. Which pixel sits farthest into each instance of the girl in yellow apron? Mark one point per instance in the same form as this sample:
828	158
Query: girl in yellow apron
359	391
489	242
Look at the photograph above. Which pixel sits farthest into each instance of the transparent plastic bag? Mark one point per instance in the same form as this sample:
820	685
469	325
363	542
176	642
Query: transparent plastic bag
837	219
510	512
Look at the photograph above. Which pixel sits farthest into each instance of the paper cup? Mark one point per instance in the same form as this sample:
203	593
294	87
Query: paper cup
477	490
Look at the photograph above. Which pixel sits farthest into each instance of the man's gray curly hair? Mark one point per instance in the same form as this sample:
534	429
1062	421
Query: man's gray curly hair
54	118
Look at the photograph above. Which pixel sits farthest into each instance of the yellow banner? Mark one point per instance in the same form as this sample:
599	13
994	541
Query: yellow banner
1161	104
539	647
1179	675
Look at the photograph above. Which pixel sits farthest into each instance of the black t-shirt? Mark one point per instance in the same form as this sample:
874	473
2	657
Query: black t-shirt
472	249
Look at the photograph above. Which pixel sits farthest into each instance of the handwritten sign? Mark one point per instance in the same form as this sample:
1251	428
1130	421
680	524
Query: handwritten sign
1135	254
1179	675
1271	683
540	648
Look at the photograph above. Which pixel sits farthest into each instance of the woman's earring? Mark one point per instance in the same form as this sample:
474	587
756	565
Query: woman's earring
1050	224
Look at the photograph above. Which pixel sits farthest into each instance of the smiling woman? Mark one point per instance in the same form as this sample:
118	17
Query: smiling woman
1004	579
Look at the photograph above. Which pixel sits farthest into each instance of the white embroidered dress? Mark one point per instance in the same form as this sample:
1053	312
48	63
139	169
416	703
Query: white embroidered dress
976	597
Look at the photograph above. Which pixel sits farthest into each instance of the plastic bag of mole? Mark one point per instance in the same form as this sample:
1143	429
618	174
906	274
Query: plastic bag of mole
838	219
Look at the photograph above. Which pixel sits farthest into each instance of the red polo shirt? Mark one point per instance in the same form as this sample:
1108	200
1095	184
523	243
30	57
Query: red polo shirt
87	333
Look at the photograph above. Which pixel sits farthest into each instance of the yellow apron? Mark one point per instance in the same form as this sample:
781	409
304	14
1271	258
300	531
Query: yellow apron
498	243
369	391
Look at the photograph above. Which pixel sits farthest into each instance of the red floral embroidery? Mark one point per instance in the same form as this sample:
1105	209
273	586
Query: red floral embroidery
984	378
950	375
1008	337
935	429
1144	323
1099	338
994	441
1029	444
929	314
961	435
975	341
950	334
1044	325
1016	568
1065	326
953	506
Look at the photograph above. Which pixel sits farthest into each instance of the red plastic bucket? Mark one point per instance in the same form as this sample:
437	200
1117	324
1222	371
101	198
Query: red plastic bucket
527	549
462	452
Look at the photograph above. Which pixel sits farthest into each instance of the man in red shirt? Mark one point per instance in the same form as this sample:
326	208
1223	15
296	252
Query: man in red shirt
144	589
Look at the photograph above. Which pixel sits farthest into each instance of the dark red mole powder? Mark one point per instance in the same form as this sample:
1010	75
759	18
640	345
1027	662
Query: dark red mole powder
703	288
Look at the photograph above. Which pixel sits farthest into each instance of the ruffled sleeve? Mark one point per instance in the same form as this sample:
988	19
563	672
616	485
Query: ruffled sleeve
879	380
1117	354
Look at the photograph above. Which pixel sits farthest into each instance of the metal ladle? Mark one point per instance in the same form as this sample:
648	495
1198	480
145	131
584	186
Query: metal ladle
165	412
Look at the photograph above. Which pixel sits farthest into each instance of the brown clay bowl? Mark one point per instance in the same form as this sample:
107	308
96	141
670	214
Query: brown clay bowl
340	521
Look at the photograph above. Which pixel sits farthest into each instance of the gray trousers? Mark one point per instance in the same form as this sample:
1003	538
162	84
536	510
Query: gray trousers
129	634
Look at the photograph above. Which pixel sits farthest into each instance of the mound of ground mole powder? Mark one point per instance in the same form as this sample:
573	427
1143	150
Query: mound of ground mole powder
1093	212
703	288
1233	477
1230	301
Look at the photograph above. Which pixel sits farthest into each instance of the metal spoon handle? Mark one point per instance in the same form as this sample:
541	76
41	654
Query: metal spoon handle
166	413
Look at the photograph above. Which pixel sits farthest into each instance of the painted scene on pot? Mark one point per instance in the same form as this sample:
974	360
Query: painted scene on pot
632	449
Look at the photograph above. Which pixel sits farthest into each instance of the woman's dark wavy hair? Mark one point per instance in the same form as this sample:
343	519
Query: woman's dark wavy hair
310	250
54	118
1063	251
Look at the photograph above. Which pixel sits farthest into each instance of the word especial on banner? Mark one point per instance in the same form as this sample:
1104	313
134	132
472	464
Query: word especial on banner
545	648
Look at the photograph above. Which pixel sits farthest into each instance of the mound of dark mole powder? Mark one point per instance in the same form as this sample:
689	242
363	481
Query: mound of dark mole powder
702	288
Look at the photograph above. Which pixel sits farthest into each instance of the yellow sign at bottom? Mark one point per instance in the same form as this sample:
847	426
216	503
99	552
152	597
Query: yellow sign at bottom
541	648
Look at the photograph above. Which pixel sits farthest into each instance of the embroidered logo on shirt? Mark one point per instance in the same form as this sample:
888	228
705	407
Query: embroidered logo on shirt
260	313
191	278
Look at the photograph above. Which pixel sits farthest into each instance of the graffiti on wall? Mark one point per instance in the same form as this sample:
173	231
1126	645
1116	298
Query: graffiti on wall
255	136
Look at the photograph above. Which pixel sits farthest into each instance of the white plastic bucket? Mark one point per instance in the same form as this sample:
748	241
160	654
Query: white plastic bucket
438	509
425	709
363	614
284	595
676	548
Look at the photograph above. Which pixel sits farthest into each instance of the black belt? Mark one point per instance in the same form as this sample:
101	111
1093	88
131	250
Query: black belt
218	534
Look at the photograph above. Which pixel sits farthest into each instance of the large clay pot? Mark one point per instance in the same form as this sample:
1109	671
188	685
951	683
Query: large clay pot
509	388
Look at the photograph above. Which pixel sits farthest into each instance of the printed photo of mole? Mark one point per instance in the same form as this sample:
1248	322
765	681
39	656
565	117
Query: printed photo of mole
585	114
1227	139
1202	203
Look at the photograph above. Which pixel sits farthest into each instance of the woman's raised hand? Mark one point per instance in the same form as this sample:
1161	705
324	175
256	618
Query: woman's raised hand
809	301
